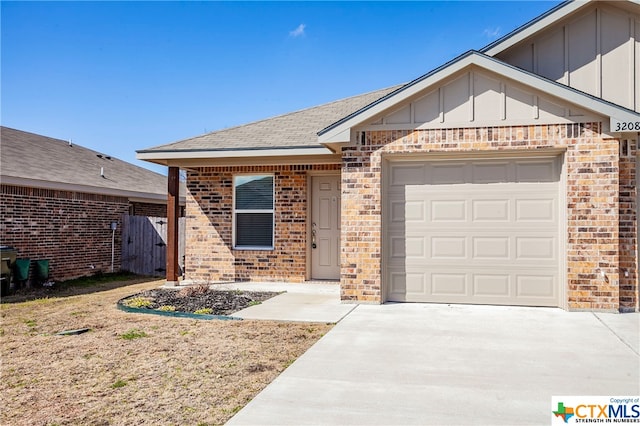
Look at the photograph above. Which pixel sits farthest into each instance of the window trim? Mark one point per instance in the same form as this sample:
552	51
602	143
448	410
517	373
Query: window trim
235	212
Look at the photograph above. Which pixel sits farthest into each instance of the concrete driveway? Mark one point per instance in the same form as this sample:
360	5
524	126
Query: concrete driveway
451	364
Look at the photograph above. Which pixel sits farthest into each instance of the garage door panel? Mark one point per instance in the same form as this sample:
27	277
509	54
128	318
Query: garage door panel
407	174
449	248
415	211
487	235
491	210
521	251
537	171
488	288
397	246
536	248
405	286
492	285
491	248
535	285
415	283
490	172
536	210
448	210
398	286
449	284
447	173
407	211
397	212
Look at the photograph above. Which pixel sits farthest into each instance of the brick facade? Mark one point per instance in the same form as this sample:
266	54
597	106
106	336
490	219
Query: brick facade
628	230
600	212
148	209
601	222
210	256
137	208
70	229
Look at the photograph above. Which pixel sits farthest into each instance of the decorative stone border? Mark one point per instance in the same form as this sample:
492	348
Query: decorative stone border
177	314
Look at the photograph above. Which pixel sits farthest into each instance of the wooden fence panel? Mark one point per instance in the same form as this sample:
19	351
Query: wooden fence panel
144	244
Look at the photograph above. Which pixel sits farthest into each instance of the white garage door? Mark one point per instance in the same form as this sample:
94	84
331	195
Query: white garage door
484	232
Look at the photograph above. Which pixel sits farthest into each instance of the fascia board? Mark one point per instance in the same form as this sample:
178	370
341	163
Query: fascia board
230	153
194	163
62	186
478	59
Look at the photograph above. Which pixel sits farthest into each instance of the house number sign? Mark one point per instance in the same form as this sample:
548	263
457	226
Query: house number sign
625	126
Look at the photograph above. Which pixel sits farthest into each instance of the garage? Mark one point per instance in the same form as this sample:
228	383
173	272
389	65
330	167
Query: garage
479	231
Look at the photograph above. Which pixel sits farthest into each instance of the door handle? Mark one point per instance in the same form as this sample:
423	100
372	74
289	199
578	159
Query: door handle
313	236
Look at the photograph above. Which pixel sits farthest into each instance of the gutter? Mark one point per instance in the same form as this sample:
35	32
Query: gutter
177	154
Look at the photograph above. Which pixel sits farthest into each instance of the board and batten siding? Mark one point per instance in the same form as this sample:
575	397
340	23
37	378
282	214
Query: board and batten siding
596	51
474	97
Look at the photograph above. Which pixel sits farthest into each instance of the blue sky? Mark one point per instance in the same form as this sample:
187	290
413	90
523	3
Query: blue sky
122	76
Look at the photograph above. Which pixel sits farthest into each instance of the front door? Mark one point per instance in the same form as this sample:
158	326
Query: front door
325	227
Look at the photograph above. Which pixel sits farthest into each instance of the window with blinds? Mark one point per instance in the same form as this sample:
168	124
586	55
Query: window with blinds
253	212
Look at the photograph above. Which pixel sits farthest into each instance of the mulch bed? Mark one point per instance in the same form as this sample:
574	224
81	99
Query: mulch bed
192	299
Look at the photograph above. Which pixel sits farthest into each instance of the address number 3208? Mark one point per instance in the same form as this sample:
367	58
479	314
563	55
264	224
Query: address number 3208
622	126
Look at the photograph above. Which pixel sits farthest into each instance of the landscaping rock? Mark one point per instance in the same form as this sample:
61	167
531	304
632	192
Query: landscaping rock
221	302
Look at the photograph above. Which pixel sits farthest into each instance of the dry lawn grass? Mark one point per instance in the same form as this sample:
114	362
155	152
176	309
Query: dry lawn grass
184	372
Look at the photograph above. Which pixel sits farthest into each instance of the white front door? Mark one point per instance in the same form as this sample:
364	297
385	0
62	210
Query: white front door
325	227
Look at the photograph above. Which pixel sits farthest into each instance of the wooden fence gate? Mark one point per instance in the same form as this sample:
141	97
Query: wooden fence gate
144	244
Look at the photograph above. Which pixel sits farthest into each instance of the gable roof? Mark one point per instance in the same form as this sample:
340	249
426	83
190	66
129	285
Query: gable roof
340	131
289	134
313	131
535	25
34	160
543	22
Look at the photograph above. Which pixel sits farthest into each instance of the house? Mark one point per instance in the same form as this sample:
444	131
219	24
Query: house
59	200
506	176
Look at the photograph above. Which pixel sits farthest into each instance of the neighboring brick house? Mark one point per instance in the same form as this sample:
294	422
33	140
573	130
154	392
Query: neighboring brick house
506	176
59	200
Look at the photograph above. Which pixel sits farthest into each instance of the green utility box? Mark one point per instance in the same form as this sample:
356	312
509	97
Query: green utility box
41	271
21	272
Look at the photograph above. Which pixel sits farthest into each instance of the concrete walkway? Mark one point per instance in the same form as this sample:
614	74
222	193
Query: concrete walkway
451	364
310	301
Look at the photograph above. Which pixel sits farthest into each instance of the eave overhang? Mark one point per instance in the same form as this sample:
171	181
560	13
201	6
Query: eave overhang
143	197
231	156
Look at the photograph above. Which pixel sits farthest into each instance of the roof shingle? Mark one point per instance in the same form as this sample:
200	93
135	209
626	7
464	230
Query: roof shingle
296	129
30	156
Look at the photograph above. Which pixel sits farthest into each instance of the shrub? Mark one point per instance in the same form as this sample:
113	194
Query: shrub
204	311
195	290
138	302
